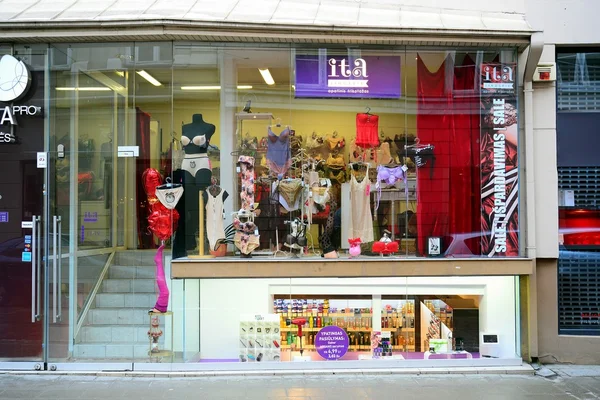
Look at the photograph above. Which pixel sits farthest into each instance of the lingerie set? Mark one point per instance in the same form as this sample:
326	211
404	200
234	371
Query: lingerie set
246	237
336	168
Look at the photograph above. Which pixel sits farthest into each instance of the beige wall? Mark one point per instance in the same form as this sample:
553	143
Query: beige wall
546	177
552	346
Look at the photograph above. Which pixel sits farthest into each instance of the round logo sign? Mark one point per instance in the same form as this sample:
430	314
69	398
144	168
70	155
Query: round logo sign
14	78
331	342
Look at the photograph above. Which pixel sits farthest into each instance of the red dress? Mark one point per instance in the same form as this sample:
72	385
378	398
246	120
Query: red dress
367	130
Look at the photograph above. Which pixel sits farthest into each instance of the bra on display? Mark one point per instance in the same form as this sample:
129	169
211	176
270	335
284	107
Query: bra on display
199	140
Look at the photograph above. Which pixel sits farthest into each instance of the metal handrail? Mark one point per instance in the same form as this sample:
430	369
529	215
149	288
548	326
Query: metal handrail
92	296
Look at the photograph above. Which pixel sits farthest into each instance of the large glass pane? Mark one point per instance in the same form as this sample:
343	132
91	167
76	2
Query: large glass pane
88	120
22	135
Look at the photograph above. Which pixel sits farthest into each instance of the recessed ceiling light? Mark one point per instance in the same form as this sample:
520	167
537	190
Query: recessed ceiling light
212	87
83	89
148	77
266	74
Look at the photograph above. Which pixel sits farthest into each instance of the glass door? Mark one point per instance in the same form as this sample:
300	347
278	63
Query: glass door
23	212
87	103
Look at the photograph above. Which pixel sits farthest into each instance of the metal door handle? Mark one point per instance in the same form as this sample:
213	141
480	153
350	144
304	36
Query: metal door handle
54	275
35	269
59	314
33	265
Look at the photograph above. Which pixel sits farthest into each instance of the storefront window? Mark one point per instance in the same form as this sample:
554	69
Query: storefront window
341	152
364	320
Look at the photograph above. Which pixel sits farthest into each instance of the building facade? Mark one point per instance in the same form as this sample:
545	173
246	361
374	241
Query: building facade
297	182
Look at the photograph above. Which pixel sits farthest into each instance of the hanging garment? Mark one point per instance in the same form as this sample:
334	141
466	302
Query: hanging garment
358	154
278	152
367	128
384	156
289	193
245	238
314	142
246	164
336	142
326	238
169	194
361	219
422	156
389	176
214	218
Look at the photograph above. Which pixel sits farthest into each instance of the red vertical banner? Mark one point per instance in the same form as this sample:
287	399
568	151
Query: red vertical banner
499	160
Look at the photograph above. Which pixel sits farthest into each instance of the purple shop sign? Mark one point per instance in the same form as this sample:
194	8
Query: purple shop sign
331	342
368	77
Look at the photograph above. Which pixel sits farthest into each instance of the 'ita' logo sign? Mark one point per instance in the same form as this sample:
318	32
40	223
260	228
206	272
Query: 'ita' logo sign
340	71
15	78
15	81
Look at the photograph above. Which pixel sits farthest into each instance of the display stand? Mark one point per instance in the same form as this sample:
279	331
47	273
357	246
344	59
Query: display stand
164	352
201	230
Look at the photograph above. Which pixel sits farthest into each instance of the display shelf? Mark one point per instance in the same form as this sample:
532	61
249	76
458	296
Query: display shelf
403	348
351	315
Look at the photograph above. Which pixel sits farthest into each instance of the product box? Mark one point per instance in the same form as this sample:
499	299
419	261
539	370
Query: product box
439	345
259	338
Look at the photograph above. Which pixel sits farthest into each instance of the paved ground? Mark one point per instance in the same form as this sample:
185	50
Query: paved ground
571	384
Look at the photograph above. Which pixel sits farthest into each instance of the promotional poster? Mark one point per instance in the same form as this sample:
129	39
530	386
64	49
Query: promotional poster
499	161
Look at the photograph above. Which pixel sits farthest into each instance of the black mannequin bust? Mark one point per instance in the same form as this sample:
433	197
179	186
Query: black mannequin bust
195	175
198	127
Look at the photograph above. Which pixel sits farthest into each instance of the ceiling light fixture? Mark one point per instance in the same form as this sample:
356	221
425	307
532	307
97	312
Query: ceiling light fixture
266	74
148	77
83	89
209	87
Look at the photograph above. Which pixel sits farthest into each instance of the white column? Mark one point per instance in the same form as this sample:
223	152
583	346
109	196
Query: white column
227	126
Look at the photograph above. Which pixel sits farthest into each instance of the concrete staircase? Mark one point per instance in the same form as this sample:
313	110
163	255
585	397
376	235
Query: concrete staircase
116	327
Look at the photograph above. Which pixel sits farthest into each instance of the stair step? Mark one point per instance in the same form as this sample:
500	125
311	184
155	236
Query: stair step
110	351
125	300
137	285
124	334
133	271
137	257
119	316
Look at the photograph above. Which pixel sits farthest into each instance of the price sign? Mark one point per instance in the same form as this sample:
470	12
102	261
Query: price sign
331	342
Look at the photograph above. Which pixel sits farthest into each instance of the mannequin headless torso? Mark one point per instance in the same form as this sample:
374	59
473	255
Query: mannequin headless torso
195	175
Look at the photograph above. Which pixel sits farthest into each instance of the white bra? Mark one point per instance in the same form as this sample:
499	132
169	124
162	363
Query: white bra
199	140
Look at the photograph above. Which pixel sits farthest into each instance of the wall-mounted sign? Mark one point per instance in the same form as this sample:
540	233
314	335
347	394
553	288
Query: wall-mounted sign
14	78
365	77
15	82
3	216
